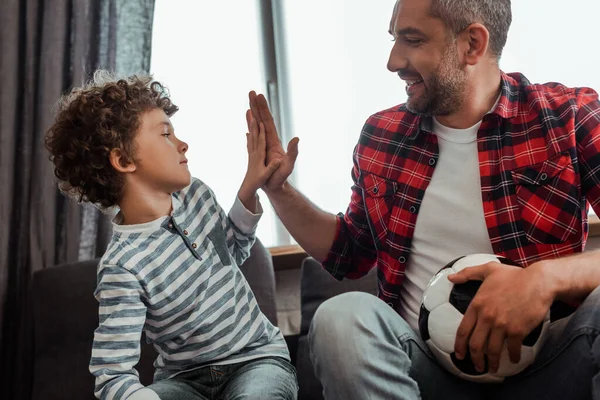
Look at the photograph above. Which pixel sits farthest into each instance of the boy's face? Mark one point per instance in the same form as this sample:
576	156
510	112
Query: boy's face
160	157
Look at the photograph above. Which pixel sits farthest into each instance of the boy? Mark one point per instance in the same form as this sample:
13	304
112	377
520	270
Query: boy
171	268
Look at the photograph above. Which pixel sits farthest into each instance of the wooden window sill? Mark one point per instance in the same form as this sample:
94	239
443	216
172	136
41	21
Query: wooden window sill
287	257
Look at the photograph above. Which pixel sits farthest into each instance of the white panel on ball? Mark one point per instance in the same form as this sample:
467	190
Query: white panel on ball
473	260
441	293
442	323
443	358
507	368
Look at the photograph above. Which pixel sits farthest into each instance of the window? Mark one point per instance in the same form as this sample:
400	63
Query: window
331	62
208	55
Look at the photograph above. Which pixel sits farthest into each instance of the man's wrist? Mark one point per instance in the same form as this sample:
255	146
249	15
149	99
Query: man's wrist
548	274
274	193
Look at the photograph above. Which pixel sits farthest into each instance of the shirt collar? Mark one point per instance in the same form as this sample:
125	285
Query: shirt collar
508	105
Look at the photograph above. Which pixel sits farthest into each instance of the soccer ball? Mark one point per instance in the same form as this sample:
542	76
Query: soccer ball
442	309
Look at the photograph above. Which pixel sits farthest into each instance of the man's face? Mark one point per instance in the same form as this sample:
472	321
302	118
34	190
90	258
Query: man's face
426	56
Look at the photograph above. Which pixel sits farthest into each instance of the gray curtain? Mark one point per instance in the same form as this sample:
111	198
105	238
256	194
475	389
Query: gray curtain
46	47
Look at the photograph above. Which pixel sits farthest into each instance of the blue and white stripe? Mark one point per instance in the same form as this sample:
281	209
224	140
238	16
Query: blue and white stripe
177	279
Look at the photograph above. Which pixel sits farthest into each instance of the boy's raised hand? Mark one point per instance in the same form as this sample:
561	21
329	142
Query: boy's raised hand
259	110
258	170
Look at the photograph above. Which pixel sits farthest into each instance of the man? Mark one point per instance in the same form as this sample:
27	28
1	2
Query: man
476	161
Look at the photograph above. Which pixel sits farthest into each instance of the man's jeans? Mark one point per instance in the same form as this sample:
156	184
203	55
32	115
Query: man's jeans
362	349
261	379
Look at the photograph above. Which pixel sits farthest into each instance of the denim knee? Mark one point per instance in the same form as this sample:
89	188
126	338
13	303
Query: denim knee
587	315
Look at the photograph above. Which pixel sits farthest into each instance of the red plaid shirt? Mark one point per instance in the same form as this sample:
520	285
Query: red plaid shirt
539	162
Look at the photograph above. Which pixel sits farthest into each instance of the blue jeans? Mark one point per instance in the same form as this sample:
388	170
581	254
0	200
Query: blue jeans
362	349
262	379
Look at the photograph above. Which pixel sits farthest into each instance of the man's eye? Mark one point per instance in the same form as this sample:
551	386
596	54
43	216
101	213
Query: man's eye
413	42
166	134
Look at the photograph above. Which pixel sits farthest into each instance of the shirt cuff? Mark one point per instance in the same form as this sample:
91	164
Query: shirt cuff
144	394
242	218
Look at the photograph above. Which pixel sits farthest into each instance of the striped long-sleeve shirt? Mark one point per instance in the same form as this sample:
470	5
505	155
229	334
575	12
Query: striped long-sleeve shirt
177	279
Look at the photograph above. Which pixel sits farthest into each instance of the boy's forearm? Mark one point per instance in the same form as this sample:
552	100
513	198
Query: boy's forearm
314	229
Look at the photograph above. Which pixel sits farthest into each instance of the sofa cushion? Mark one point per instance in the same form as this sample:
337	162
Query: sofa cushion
316	286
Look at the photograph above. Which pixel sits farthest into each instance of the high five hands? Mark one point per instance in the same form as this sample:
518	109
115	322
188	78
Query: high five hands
259	113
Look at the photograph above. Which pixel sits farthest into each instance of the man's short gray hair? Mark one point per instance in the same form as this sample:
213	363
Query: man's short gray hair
495	15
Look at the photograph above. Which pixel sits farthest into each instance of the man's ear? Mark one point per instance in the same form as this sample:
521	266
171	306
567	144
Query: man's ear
476	40
120	162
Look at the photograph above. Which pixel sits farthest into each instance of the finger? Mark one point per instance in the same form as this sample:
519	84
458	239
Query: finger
267	118
248	142
254	133
254	109
478	342
514	344
494	347
263	109
248	118
262	141
292	149
272	167
464	332
477	273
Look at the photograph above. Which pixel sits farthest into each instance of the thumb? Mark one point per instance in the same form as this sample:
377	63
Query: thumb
477	273
292	149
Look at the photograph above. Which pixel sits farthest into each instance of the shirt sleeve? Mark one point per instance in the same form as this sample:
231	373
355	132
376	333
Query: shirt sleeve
353	253
587	131
116	347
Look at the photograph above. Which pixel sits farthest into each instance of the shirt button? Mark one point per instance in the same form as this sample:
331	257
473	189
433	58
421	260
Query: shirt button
431	161
185	232
390	304
375	190
412	209
194	245
544	176
402	259
170	226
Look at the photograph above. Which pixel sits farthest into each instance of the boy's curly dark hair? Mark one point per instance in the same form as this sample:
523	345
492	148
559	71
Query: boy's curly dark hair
91	121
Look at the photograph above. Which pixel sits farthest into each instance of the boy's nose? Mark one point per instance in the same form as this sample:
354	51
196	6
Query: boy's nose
183	147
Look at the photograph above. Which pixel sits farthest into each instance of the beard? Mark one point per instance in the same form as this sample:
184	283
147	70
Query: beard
444	93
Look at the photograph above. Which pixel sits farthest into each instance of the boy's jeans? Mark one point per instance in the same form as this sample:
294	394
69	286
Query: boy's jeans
261	379
362	349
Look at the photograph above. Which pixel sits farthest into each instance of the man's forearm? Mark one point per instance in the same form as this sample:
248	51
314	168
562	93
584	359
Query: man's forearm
571	278
313	229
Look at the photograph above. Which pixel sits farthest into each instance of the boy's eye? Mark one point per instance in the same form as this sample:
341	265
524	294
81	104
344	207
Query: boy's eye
166	134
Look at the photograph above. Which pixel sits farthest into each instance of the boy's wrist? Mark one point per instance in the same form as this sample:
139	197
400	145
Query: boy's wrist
248	197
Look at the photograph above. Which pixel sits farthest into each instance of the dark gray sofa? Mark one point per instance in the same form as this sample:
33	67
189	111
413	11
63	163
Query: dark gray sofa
63	317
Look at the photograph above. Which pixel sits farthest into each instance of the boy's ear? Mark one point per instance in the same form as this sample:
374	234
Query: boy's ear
120	162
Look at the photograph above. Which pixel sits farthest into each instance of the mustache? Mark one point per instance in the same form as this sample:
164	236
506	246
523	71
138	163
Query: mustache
405	73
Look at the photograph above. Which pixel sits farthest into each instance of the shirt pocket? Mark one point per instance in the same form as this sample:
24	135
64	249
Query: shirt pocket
378	196
549	200
218	239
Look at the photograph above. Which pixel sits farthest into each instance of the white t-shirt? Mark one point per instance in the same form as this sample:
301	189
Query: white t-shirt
450	223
